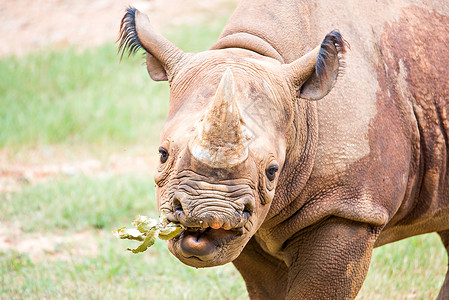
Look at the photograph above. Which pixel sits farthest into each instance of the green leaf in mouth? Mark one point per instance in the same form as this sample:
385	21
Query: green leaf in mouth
147	230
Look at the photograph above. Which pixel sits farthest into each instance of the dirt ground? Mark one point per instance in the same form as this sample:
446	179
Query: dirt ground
27	25
41	246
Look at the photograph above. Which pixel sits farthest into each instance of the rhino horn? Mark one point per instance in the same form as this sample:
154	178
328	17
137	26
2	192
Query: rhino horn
220	138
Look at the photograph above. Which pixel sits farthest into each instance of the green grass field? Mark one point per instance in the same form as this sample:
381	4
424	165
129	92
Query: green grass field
99	267
87	100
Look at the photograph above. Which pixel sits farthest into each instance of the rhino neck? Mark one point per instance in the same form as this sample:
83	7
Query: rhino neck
278	29
299	161
296	171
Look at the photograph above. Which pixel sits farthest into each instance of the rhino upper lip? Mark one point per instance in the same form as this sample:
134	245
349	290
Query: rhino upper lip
202	230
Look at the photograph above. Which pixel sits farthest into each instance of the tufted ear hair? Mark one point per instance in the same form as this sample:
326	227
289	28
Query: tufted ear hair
315	73
163	58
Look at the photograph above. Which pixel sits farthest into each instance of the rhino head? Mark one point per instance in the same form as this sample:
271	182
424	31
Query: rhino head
225	141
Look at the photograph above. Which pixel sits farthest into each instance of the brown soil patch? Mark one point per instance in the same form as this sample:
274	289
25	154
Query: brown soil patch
49	245
39	165
30	25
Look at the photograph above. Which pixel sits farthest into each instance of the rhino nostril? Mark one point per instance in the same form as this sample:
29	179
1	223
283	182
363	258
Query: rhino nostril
177	207
247	211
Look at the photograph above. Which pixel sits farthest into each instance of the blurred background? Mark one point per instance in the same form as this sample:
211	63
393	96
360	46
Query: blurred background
79	133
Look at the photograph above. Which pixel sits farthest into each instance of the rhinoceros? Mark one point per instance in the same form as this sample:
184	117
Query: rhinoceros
292	149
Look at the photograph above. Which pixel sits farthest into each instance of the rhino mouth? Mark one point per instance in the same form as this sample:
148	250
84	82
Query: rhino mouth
203	243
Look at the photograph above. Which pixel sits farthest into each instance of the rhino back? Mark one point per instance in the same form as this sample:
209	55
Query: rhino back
282	25
416	56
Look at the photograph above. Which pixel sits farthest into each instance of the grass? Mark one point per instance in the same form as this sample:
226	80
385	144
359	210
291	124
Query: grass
86	98
115	274
411	268
98	206
77	203
71	98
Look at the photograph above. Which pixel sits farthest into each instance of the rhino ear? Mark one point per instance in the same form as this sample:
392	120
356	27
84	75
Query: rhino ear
155	68
315	73
163	58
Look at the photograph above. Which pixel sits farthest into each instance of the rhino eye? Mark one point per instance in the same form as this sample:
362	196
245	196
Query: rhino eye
164	154
271	172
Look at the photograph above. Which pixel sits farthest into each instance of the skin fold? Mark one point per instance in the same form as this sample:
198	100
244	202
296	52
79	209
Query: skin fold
292	149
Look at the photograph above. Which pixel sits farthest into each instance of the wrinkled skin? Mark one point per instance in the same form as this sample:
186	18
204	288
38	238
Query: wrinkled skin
217	194
297	192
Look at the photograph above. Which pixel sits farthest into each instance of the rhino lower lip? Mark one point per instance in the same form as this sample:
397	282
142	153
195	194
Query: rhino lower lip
203	242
